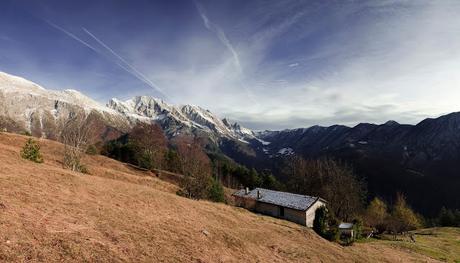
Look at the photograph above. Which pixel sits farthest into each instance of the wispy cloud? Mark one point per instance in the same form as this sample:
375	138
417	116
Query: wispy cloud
122	63
226	42
220	35
72	36
132	70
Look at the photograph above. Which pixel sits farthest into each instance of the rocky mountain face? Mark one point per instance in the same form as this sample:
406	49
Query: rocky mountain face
422	161
182	119
26	106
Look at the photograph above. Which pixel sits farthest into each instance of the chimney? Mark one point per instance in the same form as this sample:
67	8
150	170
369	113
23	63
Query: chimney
246	190
258	194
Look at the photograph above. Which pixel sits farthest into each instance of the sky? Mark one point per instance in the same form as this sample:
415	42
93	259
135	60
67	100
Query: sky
267	64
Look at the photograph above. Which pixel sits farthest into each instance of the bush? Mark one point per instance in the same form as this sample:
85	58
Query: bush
358	228
91	150
325	224
31	151
26	133
376	215
216	192
320	223
403	218
74	164
146	160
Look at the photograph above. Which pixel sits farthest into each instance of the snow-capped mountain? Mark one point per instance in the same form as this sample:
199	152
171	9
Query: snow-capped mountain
26	106
180	119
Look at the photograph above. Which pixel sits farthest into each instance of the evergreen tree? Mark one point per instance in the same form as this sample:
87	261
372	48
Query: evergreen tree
31	151
216	192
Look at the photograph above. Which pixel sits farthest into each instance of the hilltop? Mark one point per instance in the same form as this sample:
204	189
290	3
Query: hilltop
118	213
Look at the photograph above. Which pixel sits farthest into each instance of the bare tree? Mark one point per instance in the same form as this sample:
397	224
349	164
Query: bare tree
151	145
402	218
329	179
195	166
75	135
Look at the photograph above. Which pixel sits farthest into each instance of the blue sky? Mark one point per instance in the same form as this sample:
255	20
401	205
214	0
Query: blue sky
268	64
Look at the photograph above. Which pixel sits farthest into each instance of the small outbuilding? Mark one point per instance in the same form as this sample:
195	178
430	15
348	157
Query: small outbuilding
346	229
292	207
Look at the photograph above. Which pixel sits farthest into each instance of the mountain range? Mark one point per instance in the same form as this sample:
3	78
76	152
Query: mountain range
419	160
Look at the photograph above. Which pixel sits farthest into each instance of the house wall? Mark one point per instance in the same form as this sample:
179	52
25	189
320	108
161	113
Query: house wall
267	209
295	216
292	215
247	203
311	212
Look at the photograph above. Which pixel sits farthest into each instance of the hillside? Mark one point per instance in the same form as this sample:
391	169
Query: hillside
391	157
118	214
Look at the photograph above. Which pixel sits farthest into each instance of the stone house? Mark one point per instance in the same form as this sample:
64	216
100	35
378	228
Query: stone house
292	207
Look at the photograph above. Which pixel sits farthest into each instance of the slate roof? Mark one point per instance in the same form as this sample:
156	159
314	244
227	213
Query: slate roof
294	201
346	225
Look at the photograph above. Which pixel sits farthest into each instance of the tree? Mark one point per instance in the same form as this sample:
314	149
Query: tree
216	192
172	161
325	224
448	217
149	143
329	179
195	167
402	217
75	135
376	214
320	223
31	151
268	180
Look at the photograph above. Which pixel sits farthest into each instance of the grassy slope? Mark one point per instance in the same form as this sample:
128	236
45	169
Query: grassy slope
120	214
439	243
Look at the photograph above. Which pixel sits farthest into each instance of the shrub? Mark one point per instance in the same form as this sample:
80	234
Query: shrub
403	218
74	164
26	133
216	192
357	228
91	150
376	214
320	223
146	160
31	151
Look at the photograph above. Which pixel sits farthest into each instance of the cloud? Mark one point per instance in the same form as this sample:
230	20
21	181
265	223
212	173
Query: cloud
221	36
72	36
131	69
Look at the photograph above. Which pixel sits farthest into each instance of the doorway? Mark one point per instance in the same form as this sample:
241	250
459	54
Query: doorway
281	211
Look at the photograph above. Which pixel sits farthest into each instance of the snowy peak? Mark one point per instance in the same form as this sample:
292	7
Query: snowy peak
205	118
10	83
238	129
176	118
25	89
39	105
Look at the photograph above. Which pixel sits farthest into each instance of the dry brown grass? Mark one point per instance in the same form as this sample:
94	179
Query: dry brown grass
120	214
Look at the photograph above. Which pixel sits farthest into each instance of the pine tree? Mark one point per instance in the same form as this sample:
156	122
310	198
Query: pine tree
31	151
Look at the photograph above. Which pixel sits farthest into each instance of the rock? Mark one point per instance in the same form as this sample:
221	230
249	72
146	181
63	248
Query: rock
205	232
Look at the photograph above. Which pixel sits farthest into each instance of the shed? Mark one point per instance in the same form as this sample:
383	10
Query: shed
292	207
346	229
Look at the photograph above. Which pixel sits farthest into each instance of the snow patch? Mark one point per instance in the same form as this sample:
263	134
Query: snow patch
286	151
